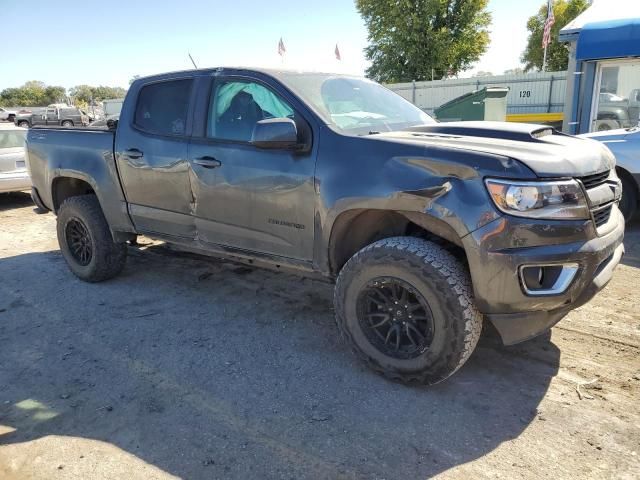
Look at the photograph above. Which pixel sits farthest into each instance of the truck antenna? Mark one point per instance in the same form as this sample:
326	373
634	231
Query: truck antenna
194	63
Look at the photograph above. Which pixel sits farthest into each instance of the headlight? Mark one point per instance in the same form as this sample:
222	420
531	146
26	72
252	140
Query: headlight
549	200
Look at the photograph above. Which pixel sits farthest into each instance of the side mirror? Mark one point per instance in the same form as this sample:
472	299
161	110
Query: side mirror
112	124
275	133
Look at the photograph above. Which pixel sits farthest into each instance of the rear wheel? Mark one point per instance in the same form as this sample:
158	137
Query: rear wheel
86	242
405	305
67	123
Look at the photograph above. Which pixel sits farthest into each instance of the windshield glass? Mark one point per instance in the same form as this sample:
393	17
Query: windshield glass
355	105
11	138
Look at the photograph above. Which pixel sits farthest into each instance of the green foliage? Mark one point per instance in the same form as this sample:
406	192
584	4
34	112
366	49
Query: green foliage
86	93
411	39
37	94
557	54
32	94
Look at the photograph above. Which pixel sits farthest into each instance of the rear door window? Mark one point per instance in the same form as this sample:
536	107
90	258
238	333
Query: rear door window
162	107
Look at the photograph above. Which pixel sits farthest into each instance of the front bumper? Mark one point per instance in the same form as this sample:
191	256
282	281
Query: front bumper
496	252
14	181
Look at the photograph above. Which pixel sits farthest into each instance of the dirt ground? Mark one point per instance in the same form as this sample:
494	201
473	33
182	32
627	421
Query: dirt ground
197	368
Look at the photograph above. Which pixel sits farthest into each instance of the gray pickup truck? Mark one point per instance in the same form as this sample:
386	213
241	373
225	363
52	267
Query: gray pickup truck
63	115
427	229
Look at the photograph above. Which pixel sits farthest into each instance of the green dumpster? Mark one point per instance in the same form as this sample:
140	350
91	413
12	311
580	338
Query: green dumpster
490	103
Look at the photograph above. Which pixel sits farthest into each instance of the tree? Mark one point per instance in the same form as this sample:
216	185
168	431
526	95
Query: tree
482	73
417	39
513	71
557	54
86	94
37	94
32	94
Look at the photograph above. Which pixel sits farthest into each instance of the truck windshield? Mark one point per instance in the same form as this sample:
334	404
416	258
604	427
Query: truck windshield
355	105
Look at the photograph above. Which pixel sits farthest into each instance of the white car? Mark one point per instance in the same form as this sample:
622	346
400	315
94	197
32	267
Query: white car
7	115
625	145
14	176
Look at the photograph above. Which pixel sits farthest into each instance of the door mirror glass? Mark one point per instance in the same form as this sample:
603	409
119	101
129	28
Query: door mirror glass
276	133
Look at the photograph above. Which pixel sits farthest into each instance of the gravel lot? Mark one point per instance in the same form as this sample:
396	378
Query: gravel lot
197	368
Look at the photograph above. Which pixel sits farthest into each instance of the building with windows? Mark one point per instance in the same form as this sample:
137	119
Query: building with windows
603	78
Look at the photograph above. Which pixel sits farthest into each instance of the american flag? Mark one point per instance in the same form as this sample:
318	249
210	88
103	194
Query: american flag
281	49
337	53
546	36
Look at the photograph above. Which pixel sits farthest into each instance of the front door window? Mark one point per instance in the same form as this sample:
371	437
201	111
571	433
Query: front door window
238	105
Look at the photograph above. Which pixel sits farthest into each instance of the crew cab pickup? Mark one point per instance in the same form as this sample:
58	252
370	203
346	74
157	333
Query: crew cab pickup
426	228
54	114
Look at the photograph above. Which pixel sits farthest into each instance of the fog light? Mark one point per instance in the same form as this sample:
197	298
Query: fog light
547	279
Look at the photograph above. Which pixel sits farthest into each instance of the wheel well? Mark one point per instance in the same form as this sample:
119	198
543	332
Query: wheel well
65	187
67	121
622	173
355	229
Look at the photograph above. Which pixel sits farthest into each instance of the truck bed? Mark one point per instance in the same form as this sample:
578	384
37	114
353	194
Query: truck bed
83	154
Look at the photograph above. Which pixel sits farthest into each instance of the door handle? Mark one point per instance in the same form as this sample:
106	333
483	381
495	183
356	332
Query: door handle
133	153
207	162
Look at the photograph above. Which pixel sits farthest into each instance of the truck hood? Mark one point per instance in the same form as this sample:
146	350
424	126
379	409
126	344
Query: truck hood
544	150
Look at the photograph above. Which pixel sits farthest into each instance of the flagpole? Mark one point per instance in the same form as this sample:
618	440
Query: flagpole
544	60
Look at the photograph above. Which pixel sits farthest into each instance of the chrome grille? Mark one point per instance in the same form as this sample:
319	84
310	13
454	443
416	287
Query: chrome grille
601	215
600	211
595	180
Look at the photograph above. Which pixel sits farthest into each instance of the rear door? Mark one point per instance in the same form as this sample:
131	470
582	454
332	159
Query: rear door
151	154
246	197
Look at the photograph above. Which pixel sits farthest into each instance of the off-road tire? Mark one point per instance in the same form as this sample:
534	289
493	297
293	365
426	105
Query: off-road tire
108	257
445	284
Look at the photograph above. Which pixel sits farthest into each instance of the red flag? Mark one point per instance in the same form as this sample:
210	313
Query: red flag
281	49
546	36
337	52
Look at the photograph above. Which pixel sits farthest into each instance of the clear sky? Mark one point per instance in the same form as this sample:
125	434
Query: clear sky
106	42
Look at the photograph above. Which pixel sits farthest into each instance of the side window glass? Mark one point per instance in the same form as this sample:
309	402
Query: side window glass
236	107
162	107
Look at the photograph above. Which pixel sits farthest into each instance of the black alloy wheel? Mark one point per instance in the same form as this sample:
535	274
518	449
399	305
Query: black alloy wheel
79	241
395	318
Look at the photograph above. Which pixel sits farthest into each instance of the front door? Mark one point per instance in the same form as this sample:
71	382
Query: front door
246	197
48	117
151	154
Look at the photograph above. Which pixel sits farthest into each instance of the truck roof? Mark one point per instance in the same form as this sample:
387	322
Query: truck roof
273	72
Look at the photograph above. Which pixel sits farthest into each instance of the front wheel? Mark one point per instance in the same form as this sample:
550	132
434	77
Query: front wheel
86	242
405	306
23	124
629	200
67	123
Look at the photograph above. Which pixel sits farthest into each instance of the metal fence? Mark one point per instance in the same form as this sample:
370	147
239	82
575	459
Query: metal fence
529	93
